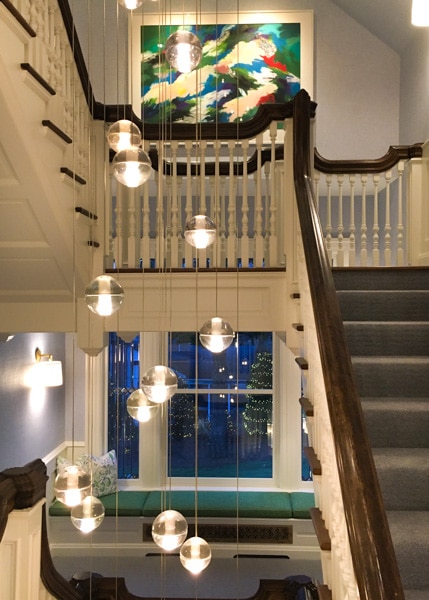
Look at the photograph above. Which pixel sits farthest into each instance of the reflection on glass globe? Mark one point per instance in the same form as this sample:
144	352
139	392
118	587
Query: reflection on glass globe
159	383
132	167
131	4
123	134
88	515
72	485
195	555
216	335
169	530
183	51
200	231
104	295
140	407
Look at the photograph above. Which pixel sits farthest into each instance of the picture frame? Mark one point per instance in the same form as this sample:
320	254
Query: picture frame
266	57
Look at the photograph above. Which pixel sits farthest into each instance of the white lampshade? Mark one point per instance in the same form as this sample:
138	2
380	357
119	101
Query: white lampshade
420	13
48	373
88	515
132	167
139	406
123	134
200	231
72	485
216	335
159	383
195	555
169	530
104	295
183	51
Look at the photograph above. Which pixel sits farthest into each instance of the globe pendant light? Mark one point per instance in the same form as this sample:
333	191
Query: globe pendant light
139	406
216	335
420	13
195	555
131	4
132	167
159	383
200	231
88	515
183	51
123	134
104	295
169	530
72	485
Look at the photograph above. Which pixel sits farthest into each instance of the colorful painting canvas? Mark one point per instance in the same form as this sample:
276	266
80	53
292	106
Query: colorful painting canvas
242	67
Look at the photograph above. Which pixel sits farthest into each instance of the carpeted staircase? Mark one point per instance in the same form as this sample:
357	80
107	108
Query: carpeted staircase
386	319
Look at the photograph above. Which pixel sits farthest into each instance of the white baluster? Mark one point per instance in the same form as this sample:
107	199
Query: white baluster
387	226
273	224
222	254
363	228
174	235
328	237
188	203
316	179
376	227
131	250
119	226
202	254
258	239
340	227
244	242
400	259
352	229
145	240
217	205
231	241
160	249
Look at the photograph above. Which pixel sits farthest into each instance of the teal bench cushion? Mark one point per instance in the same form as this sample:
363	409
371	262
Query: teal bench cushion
221	504
124	504
301	503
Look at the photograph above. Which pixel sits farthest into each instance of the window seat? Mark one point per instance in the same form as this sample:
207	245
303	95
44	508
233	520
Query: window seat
214	504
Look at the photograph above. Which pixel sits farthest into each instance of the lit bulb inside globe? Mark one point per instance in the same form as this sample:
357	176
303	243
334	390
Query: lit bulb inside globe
200	231
131	4
140	407
104	295
88	515
123	134
183	51
216	335
195	555
132	167
72	485
159	383
169	530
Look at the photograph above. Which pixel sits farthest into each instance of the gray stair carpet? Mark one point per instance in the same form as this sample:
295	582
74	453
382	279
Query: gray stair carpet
386	323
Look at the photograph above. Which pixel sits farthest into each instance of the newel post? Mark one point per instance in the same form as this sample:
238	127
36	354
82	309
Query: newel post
418	211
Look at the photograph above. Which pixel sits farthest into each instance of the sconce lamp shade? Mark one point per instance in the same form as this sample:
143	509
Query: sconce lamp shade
216	335
195	555
420	13
104	295
123	134
47	373
139	406
72	485
200	231
169	530
132	167
88	515
131	4
159	383
183	51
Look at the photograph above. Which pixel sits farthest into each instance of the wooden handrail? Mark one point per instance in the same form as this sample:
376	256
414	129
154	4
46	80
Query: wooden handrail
373	556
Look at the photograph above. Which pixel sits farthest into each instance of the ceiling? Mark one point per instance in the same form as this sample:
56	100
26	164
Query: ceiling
389	20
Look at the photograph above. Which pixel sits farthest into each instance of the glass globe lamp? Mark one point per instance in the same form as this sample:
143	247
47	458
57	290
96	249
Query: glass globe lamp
104	295
216	335
131	4
139	406
195	555
72	485
183	51
88	515
159	383
169	530
123	134
200	231
132	167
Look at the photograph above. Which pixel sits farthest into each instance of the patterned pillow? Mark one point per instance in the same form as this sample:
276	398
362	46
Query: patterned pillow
103	470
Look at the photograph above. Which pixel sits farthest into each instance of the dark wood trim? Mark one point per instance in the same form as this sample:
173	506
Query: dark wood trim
307	406
295	296
324	592
298	326
374	165
93	244
59	132
86	213
302	363
314	462
17	15
322	533
371	546
200	270
72	175
31	71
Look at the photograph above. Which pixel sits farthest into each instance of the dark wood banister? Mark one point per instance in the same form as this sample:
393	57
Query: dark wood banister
371	546
372	165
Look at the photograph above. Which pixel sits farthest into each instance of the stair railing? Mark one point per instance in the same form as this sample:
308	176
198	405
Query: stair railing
361	562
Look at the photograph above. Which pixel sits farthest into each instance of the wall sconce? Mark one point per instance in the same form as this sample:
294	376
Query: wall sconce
47	372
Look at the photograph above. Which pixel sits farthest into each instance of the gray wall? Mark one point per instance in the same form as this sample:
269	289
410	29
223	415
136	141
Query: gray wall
32	423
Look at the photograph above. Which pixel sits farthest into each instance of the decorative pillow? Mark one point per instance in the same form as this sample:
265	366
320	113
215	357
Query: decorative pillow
103	470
